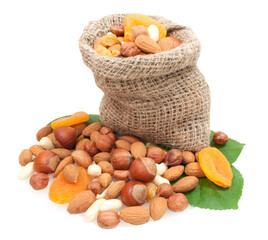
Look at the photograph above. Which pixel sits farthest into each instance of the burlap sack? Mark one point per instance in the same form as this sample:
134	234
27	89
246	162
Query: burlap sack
162	98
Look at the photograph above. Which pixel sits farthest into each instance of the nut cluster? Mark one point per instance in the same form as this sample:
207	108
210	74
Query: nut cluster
123	171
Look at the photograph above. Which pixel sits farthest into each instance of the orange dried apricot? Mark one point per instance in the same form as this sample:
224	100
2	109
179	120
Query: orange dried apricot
216	166
103	51
61	191
109	40
76	118
138	19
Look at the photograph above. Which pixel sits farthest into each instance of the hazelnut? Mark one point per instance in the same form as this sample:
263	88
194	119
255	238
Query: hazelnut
121	159
187	157
46	162
95	187
164	190
108	219
104	143
177	202
143	169
220	138
139	30
156	153
173	157
134	193
64	137
117	30
129	49
39	181
121	175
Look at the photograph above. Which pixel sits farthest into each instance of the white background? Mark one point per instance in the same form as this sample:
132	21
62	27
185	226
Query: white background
43	77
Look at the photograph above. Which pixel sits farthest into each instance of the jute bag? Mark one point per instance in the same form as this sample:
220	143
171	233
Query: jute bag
161	98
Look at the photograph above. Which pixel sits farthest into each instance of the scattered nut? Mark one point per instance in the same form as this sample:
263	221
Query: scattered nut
108	219
164	190
173	157
70	173
220	138
177	202
129	49
25	157
39	181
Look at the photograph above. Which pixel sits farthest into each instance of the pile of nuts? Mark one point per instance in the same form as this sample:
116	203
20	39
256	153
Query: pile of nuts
123	171
145	41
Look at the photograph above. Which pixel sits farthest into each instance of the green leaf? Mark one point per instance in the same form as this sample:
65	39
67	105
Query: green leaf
208	195
231	149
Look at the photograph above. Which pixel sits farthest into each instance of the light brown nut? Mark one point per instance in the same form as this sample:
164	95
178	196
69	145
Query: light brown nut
151	191
168	43
91	128
117	30
81	202
147	45
70	173
101	156
121	175
129	49
177	202
112	136
187	157
36	149
138	149
62	164
129	139
82	158
106	130
39	181
108	219
115	189
104	143
194	169
220	138
173	157
164	190
95	187
105	179
43	132
123	144
186	184
158	208
139	30
197	156
79	128
106	167
173	173
25	157
94	136
62	152
135	215
156	153
97	43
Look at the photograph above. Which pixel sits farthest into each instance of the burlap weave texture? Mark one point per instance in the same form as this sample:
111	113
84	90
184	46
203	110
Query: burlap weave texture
162	98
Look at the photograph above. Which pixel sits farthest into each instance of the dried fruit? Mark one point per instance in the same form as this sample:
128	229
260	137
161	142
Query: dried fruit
147	45
81	202
135	215
76	118
132	20
194	169
43	132
103	51
186	184
109	40
216	166
138	149
168	43
177	202
158	207
62	191
220	138
108	219
25	157
39	181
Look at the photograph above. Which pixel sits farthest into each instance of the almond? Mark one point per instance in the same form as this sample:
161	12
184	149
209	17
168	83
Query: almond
105	179
147	45
82	158
194	169
91	128
43	132
158	207
135	215
138	149
25	157
94	136
62	152
186	184
106	167
36	149
130	139
174	173
123	144
117	30
102	156
115	189
104	143
81	202
121	175
188	157
79	128
70	173
62	164
168	43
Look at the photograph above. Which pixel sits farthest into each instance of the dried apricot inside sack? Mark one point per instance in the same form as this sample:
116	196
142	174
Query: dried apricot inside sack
62	191
216	166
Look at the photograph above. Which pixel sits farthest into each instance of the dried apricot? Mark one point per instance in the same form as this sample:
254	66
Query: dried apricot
109	40
216	166
103	51
138	19
62	191
76	118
